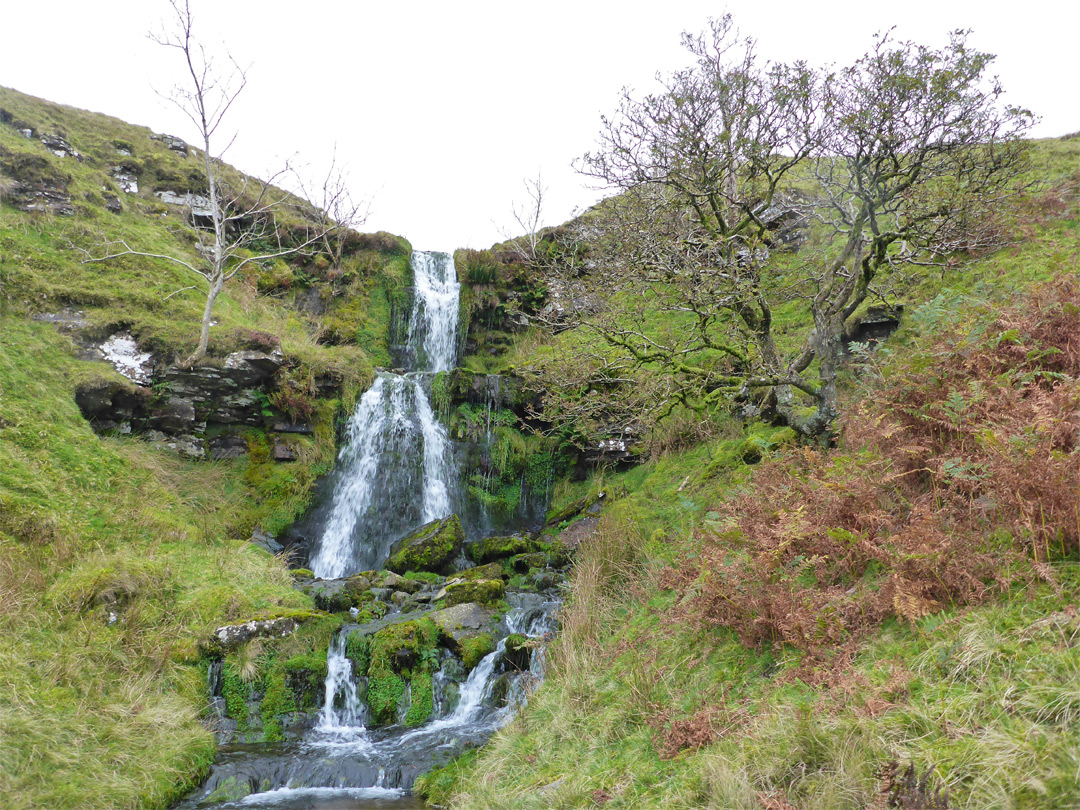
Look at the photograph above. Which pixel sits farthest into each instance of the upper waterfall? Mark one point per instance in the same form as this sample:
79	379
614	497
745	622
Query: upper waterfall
396	469
434	320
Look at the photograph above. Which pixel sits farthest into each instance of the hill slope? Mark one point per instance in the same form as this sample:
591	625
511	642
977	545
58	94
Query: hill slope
117	555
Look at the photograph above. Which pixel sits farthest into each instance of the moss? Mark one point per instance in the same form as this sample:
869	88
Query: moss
489	571
481	591
438	785
474	648
358	650
497	548
403	653
432	547
305	676
427	577
385	693
423	699
277	700
236	693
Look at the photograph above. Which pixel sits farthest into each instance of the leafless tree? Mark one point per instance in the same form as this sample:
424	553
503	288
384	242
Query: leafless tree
244	225
527	215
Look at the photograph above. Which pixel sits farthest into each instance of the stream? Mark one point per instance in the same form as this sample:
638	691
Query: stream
396	472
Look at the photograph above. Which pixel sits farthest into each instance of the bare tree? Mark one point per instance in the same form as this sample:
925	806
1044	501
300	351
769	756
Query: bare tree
244	225
528	218
889	162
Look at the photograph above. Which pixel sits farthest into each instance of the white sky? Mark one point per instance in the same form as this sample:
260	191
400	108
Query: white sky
441	109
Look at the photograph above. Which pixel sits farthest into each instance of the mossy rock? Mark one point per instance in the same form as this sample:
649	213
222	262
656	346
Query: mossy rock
523	562
474	647
305	676
489	571
573	509
518	652
399	655
432	547
481	591
499	548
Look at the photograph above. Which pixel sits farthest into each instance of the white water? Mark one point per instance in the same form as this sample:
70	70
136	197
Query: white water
395	470
344	724
433	325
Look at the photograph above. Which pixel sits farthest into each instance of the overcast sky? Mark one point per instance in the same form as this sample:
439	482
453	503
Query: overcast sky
441	109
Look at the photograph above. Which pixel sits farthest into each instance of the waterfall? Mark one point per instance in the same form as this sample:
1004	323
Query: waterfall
347	723
433	324
395	471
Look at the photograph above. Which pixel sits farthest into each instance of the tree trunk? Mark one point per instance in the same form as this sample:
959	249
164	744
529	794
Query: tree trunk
204	335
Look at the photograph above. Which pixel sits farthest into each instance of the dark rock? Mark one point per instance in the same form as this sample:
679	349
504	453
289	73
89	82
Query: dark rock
518	652
59	146
224	447
176	415
172	142
432	547
283	452
51	199
266	541
489	571
873	326
286	427
113	204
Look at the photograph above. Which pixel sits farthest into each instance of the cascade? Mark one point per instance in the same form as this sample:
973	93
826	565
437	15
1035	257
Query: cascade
395	473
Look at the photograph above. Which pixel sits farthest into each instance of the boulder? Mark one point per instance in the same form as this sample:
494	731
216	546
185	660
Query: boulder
482	591
489	571
432	547
463	620
498	548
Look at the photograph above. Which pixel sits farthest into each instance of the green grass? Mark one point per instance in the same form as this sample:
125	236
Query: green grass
116	558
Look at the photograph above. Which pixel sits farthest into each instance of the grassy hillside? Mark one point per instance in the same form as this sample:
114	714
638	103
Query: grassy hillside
755	624
117	557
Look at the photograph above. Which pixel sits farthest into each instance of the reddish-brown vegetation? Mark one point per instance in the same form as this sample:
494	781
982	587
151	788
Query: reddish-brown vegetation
958	478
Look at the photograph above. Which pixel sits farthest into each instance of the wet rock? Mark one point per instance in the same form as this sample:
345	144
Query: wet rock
463	620
432	547
518	652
